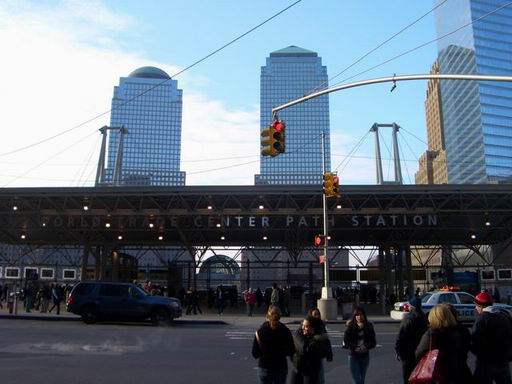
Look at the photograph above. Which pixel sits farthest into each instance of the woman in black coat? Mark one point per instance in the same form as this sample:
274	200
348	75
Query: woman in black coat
359	338
444	336
311	346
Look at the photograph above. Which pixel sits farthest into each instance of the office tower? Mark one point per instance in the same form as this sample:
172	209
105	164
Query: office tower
476	115
148	104
291	73
433	168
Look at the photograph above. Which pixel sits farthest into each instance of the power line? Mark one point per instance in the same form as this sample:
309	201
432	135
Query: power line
377	47
152	87
424	44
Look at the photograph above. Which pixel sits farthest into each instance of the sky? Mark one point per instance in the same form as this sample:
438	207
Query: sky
61	60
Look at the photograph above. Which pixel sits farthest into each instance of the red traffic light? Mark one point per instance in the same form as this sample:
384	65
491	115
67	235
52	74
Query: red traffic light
278	126
319	240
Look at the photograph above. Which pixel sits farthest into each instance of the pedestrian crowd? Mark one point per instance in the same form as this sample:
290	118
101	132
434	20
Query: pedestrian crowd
432	348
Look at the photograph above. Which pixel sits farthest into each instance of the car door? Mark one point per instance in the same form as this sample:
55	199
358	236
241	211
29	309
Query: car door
115	300
466	308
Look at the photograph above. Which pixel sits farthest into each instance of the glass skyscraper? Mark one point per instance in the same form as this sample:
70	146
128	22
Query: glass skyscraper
291	73
148	104
477	116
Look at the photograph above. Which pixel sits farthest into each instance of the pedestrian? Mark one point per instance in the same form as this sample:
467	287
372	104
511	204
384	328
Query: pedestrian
272	344
275	296
193	302
219	298
465	376
412	328
46	296
315	312
491	341
442	334
285	301
259	297
312	345
250	301
57	294
359	338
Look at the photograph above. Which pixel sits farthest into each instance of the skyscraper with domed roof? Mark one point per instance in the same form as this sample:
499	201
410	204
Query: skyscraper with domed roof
148	104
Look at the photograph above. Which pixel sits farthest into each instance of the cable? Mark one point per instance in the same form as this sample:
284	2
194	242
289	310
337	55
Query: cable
78	178
48	159
150	88
405	164
413	135
424	44
376	48
389	153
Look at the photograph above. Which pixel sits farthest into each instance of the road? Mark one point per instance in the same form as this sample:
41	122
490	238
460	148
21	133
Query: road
71	352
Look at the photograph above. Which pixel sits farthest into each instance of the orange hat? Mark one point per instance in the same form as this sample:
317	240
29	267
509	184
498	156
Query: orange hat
483	299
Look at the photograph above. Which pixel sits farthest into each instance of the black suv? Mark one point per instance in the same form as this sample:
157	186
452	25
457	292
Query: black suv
98	300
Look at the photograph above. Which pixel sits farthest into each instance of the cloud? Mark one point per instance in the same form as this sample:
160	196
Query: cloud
55	78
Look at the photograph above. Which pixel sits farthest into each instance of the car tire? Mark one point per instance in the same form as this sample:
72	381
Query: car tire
89	314
160	316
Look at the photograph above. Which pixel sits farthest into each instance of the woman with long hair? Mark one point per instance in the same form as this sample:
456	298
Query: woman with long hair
272	344
442	334
312	345
359	338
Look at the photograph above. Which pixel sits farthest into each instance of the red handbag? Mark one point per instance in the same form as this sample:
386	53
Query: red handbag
427	370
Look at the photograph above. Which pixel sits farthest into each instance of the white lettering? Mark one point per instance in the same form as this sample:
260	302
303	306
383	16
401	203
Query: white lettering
355	221
432	220
239	219
252	222
393	219
264	221
289	220
417	220
303	222
197	222
380	221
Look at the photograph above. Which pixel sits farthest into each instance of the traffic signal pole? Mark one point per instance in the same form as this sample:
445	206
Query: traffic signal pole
327	305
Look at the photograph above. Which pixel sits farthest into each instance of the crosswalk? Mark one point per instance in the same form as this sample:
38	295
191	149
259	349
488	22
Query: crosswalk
336	336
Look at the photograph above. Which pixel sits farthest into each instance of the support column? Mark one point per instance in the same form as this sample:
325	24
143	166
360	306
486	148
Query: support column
408	271
390	286
85	261
399	254
382	293
115	265
97	263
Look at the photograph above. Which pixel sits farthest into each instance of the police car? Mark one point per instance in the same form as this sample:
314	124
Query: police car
462	301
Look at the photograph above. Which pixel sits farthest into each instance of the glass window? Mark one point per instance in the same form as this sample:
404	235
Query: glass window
114	290
447	298
465	298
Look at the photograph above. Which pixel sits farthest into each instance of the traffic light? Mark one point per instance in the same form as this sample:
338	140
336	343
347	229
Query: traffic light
331	185
268	142
279	134
272	139
319	240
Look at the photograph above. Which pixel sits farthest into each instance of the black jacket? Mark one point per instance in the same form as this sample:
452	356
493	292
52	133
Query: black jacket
465	375
274	346
350	337
491	336
412	328
309	352
447	340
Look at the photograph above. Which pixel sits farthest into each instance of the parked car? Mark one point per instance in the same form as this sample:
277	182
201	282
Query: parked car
462	301
99	300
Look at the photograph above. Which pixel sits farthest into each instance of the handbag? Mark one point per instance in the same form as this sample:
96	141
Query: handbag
427	370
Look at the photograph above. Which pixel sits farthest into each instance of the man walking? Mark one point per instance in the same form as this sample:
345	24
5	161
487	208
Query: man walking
491	342
413	326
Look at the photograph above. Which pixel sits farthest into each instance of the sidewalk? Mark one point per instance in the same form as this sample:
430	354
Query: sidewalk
231	316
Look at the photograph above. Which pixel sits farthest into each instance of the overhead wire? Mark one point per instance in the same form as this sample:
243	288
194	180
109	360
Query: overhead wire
424	44
152	87
48	159
376	48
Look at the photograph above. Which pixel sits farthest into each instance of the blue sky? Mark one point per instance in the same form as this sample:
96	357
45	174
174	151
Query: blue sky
62	59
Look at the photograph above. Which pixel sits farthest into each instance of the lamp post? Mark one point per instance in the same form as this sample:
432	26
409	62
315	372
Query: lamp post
327	305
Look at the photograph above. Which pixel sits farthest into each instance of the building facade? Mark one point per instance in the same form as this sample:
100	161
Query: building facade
291	73
432	167
148	104
476	115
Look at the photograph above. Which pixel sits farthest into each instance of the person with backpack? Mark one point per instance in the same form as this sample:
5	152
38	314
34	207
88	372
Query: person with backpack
412	328
491	341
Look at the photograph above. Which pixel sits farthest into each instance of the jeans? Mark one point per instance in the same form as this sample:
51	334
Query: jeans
272	376
358	366
487	373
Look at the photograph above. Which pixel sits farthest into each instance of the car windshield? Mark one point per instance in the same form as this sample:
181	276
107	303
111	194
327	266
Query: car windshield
425	297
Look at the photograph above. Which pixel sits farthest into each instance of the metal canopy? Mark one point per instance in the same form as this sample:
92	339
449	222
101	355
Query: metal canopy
256	215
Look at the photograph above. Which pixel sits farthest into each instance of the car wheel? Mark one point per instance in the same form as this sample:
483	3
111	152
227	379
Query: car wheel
89	314
160	317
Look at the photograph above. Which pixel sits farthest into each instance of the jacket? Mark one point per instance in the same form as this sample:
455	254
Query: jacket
412	328
447	340
273	347
350	337
309	352
491	336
